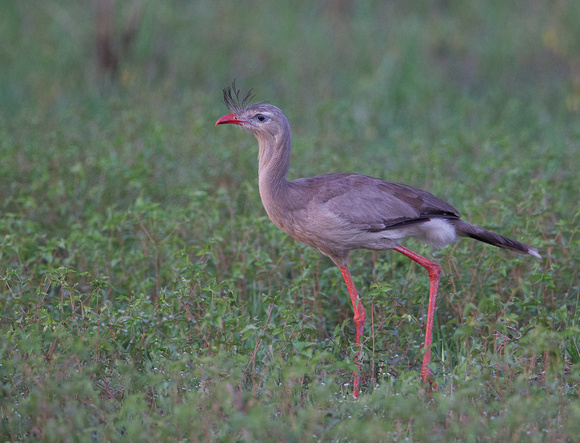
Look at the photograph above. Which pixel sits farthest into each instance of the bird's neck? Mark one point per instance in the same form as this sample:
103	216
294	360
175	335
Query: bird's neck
273	164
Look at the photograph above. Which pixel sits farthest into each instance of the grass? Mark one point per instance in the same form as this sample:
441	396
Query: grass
145	294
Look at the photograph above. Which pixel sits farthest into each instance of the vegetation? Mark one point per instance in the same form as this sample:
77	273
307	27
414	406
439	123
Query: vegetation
146	296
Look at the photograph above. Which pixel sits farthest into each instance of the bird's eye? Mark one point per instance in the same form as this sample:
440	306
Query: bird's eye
261	118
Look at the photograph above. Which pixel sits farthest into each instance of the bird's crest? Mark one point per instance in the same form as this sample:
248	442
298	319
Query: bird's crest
232	99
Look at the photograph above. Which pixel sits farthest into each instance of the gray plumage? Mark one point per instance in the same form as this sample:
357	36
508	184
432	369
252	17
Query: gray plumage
337	213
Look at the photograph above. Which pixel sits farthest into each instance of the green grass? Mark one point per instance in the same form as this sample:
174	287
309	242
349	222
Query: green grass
146	296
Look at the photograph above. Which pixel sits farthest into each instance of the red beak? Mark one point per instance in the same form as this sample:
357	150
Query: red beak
230	118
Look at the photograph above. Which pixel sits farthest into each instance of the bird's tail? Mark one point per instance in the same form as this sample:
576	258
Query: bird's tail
466	230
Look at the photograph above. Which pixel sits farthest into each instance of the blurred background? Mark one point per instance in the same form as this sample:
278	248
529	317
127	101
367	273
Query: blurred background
380	59
138	268
378	75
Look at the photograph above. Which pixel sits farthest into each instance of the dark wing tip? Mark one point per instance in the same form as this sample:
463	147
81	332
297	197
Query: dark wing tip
233	101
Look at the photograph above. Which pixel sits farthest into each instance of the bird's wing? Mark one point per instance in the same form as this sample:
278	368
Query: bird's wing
373	204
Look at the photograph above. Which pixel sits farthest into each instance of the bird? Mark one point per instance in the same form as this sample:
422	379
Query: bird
337	213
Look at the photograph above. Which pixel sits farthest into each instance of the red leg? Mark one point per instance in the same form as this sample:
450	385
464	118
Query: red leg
434	274
359	322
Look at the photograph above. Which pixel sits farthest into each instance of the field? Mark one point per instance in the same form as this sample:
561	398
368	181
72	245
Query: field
145	294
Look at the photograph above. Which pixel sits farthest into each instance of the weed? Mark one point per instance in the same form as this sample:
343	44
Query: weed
146	296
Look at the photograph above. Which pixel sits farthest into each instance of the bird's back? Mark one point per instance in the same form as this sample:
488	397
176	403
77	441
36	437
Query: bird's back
340	212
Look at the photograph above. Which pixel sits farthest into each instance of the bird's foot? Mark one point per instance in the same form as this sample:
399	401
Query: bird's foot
427	377
356	385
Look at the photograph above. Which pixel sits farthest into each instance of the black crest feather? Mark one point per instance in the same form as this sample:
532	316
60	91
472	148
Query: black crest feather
233	101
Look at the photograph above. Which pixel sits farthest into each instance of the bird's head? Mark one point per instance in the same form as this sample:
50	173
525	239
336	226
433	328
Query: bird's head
261	119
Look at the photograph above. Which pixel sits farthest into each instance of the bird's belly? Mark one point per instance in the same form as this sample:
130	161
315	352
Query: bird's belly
334	238
332	235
